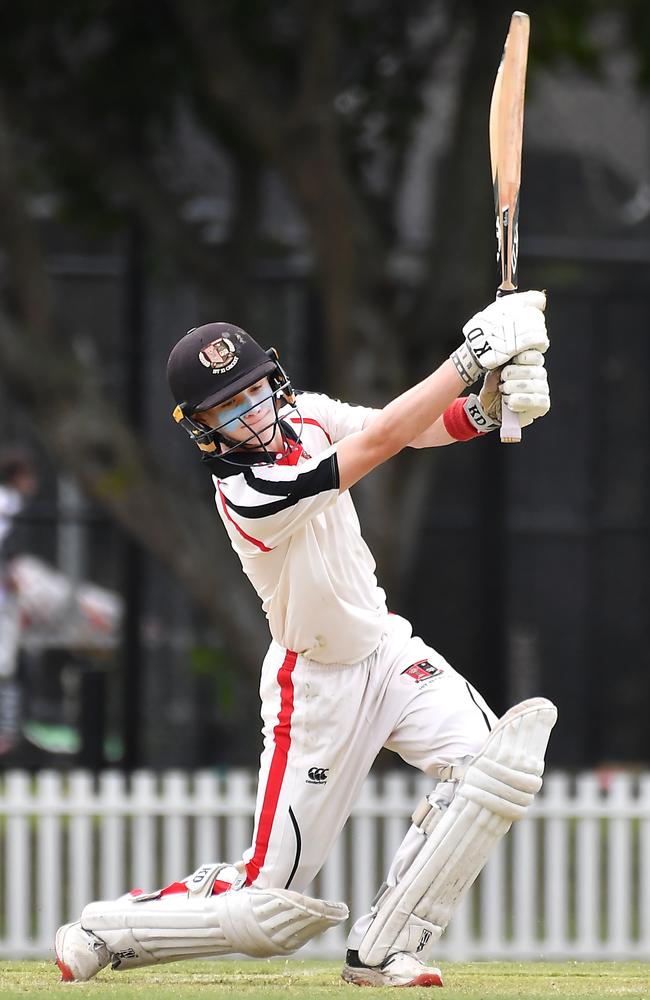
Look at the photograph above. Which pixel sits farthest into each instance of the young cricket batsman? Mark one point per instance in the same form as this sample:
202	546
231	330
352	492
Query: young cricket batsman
343	677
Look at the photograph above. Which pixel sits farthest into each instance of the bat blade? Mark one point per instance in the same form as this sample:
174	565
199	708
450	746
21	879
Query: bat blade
506	138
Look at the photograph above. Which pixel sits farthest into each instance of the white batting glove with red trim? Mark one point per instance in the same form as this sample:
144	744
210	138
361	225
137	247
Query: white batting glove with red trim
508	326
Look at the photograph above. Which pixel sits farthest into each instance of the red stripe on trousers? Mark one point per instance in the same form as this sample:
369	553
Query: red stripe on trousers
282	740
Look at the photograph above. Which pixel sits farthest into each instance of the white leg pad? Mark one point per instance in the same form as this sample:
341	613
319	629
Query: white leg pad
245	921
451	846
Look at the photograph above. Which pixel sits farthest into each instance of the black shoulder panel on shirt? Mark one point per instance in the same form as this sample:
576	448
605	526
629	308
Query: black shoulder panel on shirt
322	479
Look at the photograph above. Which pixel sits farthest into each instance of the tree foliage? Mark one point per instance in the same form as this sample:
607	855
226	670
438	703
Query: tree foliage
334	99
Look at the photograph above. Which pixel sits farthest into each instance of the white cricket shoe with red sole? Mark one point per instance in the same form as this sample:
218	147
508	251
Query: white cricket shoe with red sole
80	954
400	969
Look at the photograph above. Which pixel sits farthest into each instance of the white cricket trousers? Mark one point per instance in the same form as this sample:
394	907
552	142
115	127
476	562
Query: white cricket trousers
324	724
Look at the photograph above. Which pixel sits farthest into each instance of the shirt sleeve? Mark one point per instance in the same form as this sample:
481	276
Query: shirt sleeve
264	505
337	418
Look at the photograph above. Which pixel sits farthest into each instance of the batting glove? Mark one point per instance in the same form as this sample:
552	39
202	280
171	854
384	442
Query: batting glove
508	326
522	384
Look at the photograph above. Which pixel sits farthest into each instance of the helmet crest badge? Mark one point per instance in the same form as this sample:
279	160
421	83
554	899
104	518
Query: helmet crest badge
220	356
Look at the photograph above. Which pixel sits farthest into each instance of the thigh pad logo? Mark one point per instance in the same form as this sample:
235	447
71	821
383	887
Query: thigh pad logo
422	671
317	775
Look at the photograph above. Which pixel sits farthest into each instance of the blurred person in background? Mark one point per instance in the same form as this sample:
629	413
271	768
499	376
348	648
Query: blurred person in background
18	483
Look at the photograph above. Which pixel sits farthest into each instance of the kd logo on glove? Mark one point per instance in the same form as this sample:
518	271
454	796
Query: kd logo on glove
477	416
478	342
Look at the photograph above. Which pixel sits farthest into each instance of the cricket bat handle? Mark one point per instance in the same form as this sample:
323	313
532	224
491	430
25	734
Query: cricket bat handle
510	431
510	428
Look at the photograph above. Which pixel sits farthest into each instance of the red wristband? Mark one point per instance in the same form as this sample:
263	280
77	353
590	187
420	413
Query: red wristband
457	423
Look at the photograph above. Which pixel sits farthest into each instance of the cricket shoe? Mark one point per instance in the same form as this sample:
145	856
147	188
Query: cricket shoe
400	969
80	954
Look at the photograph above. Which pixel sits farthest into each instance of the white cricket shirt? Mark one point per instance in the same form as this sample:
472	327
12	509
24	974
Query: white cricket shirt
299	540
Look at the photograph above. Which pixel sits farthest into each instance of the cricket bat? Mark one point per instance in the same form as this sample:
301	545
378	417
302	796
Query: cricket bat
506	135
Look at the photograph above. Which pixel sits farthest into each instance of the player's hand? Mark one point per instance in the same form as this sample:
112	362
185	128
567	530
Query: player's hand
508	326
522	384
524	387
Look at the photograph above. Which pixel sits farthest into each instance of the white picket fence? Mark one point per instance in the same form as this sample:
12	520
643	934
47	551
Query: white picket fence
570	881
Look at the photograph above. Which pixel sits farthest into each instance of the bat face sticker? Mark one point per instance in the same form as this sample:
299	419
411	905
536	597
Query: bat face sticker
219	355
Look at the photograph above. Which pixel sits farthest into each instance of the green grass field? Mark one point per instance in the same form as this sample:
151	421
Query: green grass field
277	979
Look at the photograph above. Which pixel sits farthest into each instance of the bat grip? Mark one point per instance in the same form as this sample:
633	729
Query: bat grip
510	431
